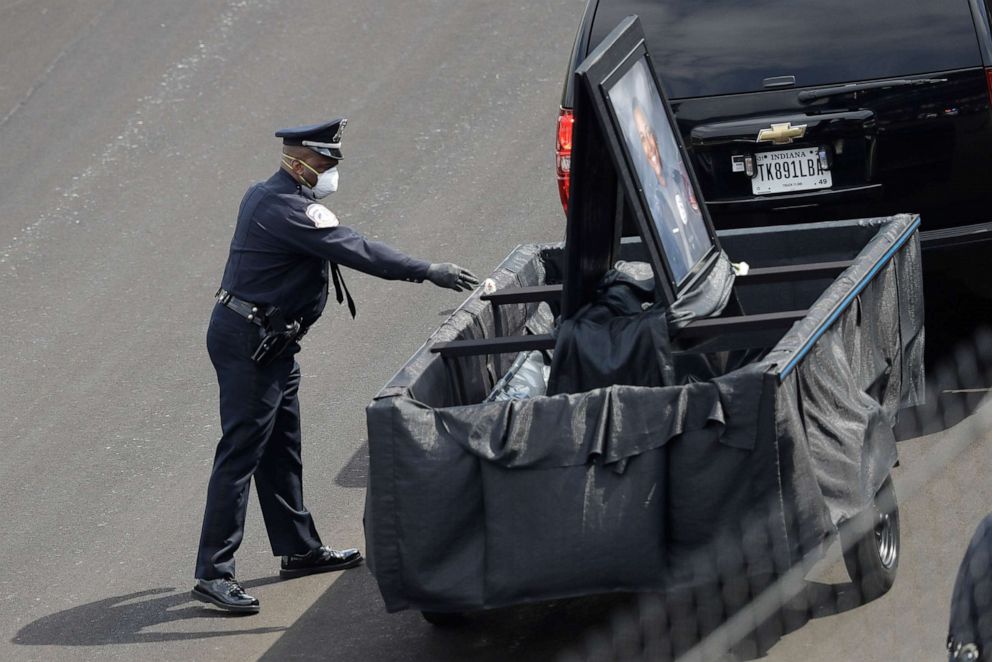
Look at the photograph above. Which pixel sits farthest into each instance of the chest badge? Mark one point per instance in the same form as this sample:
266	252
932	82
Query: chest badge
321	216
781	134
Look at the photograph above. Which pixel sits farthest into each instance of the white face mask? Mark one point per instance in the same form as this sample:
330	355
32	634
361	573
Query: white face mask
327	183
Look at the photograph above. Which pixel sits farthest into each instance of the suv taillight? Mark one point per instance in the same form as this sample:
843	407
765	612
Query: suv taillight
563	153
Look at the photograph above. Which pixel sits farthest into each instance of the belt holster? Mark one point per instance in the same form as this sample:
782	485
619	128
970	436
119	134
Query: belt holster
279	334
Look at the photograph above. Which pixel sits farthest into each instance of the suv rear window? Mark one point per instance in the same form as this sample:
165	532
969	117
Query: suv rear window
711	47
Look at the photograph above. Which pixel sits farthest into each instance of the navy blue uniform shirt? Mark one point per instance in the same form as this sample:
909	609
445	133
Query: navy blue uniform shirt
282	245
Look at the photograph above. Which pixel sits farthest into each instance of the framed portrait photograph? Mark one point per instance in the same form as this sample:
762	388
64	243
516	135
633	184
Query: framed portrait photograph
624	118
661	172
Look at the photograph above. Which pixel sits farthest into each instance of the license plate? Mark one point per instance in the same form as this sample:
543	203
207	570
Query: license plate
788	171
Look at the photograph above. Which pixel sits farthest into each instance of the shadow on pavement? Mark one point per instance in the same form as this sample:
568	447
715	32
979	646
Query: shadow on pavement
349	622
665	627
817	601
123	619
355	474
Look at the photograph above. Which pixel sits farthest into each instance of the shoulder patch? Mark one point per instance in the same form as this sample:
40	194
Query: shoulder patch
321	216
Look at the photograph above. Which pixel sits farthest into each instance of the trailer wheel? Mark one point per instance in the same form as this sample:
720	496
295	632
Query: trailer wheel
444	619
871	544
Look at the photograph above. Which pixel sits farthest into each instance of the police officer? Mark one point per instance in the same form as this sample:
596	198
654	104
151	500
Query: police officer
286	247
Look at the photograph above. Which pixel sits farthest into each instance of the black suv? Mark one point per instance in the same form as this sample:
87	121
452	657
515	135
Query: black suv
807	110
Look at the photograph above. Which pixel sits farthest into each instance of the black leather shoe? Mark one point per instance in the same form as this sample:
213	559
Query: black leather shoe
226	594
322	559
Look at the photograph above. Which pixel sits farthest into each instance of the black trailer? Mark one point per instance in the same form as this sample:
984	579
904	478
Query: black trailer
718	405
475	504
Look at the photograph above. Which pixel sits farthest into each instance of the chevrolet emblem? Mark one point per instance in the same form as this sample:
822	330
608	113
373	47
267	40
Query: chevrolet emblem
781	134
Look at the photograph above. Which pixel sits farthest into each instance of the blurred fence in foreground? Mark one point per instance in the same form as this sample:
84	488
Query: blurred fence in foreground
742	614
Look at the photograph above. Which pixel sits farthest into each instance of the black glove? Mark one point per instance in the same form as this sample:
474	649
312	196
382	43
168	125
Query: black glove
446	274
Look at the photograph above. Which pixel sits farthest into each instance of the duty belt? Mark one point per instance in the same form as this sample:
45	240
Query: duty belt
249	311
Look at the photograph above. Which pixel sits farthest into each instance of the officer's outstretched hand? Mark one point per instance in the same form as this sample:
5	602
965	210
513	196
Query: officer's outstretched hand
446	274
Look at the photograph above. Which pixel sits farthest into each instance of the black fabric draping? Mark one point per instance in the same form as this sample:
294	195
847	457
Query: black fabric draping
627	487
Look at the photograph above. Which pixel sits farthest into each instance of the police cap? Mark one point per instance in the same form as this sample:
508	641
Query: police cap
322	138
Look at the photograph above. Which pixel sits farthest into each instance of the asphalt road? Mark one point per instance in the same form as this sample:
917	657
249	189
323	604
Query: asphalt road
128	133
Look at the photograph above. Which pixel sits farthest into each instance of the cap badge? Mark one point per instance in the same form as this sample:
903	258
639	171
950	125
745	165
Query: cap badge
337	136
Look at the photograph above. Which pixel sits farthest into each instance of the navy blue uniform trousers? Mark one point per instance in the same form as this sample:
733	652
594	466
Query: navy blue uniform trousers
260	422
